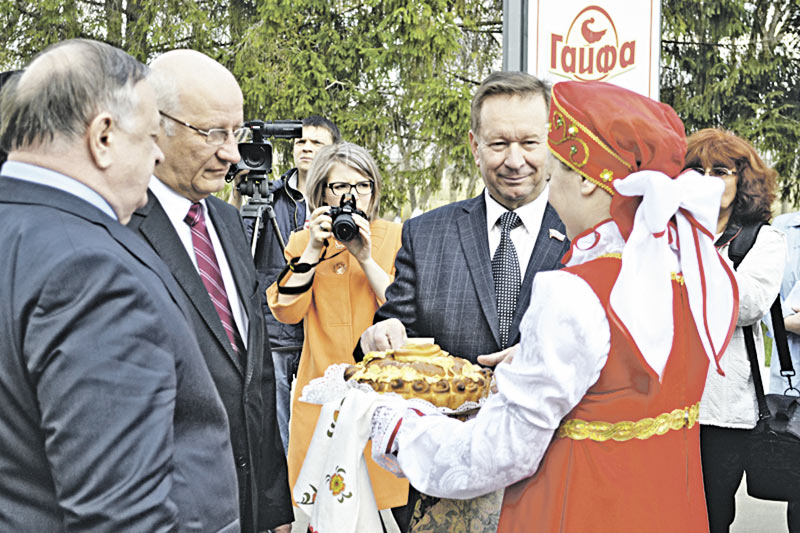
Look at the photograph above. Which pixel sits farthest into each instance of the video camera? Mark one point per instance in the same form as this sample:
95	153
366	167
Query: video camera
256	153
256	159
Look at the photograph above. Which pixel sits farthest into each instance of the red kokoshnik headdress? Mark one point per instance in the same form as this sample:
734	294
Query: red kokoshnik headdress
634	148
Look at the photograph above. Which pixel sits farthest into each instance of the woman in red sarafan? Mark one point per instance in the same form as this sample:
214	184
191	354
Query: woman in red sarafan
594	426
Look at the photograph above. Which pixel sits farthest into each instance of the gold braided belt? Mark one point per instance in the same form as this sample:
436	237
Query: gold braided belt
627	430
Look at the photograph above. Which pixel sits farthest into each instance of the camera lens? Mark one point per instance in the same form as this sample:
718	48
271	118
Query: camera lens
344	228
254	156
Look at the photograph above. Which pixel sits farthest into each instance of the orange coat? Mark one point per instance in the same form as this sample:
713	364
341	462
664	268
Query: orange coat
335	312
653	484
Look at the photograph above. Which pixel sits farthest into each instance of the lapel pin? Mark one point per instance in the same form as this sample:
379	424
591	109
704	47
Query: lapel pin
557	235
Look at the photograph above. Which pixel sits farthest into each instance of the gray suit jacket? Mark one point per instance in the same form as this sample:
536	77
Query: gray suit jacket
247	387
110	420
443	287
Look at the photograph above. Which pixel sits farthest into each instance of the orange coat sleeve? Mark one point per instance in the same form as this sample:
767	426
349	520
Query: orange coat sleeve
295	311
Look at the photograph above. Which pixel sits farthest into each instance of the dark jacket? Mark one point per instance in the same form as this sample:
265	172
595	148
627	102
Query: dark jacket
290	213
110	420
247	388
444	280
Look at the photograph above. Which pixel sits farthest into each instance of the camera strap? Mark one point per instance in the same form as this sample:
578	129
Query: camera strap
301	268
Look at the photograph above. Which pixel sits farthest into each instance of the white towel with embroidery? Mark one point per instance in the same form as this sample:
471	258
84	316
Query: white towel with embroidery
333	486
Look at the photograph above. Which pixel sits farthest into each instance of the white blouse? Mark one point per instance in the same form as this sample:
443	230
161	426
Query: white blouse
730	401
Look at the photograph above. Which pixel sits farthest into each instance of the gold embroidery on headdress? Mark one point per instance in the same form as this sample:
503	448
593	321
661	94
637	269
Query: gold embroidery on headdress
569	134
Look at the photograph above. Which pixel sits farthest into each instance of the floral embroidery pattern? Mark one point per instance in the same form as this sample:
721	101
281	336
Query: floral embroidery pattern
333	422
309	497
336	484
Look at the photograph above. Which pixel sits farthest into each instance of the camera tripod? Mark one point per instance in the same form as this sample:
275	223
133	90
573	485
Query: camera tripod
260	202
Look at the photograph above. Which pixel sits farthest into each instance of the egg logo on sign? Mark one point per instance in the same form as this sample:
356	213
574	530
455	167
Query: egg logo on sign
591	50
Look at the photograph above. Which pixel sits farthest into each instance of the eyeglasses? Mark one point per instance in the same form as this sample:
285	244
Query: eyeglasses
341	188
214	136
717	172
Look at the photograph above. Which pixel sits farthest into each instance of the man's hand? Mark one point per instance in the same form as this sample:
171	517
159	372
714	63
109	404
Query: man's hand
385	335
285	528
493	359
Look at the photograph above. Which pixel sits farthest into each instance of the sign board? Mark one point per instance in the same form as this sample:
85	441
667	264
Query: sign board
616	41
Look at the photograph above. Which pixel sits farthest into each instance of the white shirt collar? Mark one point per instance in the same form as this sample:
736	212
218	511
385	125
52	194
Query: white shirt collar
531	213
175	205
51	178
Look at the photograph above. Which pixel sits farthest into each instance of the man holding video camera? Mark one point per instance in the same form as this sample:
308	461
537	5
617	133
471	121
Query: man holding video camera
202	240
291	214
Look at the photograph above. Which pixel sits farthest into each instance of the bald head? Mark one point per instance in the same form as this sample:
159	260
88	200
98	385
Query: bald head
63	88
197	90
187	78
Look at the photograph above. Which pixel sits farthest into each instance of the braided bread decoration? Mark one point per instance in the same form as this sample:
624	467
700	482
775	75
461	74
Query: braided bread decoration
423	371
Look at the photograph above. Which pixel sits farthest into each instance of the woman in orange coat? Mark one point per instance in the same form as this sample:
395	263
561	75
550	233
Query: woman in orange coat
335	286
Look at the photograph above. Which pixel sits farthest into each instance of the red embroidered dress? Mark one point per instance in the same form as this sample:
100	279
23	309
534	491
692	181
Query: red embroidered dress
638	479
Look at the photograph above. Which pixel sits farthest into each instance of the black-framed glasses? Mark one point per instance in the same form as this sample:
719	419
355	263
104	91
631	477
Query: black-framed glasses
717	172
341	188
214	136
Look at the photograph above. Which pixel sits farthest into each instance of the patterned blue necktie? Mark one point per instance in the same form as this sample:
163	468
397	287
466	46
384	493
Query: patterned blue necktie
505	271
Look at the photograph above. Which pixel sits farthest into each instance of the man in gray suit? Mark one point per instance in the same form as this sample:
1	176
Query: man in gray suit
462	278
202	241
110	419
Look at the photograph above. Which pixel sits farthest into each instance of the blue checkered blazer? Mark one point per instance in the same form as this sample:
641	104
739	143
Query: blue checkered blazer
443	286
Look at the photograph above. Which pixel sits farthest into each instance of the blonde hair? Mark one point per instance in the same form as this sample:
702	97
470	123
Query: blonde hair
348	154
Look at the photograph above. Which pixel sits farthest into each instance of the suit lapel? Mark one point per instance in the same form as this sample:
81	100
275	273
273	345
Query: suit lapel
236	262
160	234
475	243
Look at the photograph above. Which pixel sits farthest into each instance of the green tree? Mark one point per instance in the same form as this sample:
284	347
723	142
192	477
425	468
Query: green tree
735	64
396	76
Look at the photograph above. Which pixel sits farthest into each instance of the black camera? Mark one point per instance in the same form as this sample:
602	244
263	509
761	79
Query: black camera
343	227
256	159
257	153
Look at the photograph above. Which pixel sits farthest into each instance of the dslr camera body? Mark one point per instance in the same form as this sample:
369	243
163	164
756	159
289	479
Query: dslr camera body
343	227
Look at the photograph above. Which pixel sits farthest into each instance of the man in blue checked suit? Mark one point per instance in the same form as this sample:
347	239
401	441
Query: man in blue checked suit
465	270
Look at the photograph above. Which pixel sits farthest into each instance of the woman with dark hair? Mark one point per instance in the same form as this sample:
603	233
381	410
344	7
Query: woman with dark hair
728	410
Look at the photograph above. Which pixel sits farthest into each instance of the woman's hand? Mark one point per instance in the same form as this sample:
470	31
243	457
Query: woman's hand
320	229
361	245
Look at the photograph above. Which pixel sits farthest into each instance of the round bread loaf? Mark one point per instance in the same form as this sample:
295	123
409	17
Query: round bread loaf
423	371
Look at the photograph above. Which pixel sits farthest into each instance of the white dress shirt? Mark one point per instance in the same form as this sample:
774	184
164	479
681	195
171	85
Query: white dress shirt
523	236
176	207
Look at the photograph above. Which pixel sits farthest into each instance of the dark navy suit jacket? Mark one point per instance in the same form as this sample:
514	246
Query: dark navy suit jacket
110	419
443	286
247	386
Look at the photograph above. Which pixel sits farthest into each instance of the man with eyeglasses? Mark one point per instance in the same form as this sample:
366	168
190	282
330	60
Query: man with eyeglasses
202	240
289	202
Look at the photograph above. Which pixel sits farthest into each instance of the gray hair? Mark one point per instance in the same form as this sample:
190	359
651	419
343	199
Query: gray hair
348	154
506	83
78	79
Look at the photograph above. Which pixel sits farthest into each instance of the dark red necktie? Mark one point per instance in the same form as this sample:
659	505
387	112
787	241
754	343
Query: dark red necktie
211	274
